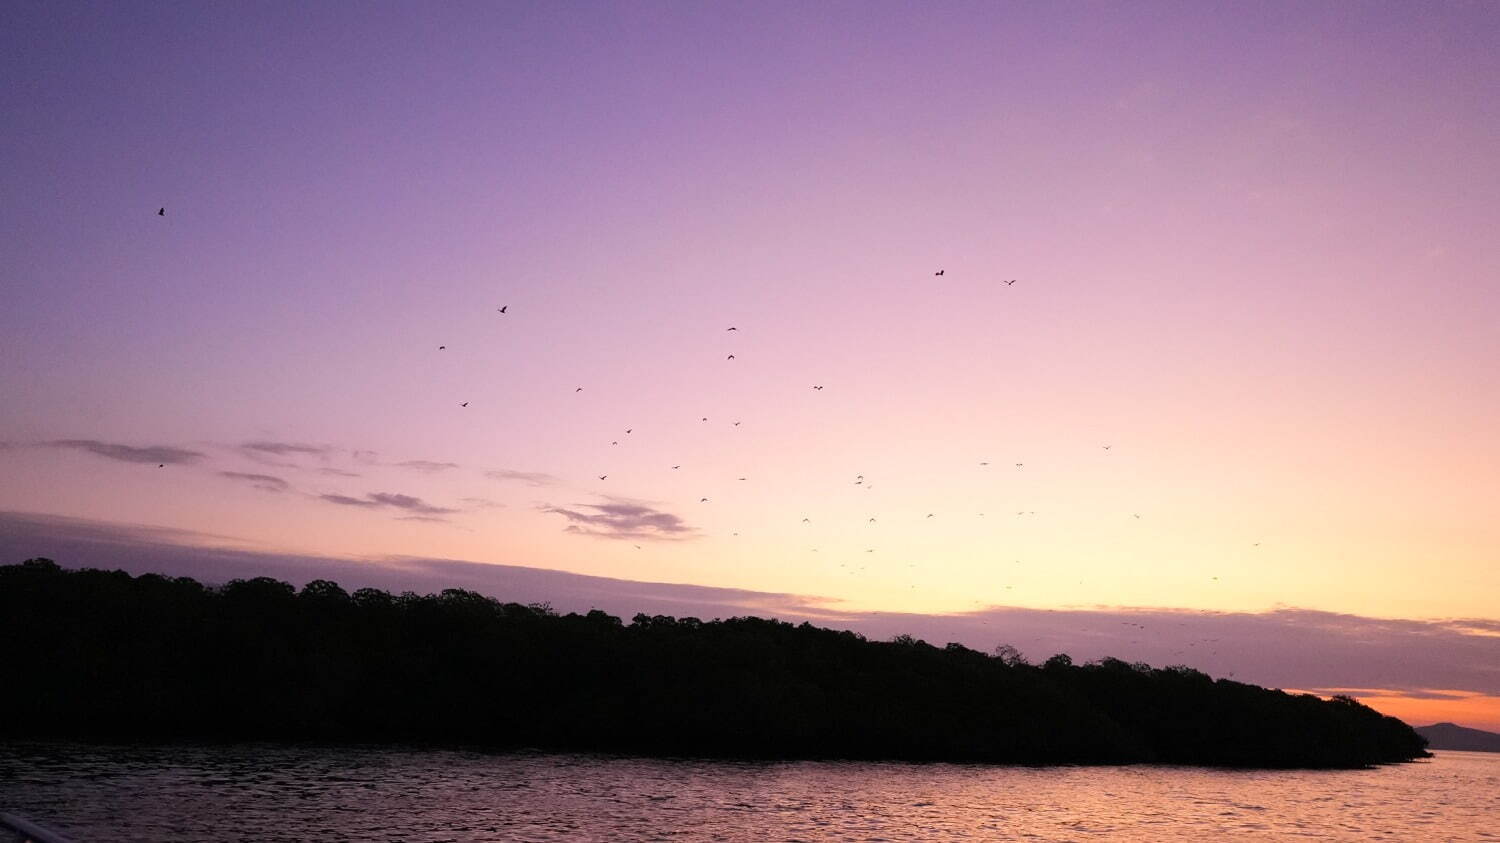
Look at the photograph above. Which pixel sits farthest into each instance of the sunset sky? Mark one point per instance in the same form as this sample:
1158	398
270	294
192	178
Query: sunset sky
1250	361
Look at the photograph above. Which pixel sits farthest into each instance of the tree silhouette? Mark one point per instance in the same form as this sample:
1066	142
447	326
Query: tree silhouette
99	654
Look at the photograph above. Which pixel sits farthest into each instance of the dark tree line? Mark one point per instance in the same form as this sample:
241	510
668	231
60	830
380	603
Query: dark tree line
104	655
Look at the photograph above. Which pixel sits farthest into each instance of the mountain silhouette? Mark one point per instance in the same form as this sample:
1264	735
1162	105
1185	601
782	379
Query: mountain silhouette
1454	736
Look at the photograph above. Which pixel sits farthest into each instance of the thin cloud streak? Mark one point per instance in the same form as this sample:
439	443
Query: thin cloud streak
530	478
427	466
158	454
374	500
620	520
264	482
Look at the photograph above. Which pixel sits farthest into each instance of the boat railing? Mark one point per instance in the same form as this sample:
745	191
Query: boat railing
14	829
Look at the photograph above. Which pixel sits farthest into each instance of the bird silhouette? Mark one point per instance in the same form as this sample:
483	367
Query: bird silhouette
806	520
161	465
602	476
742	478
731	329
872	521
703	500
441	347
817	387
731	357
705	418
502	310
1106	447
579	389
736	424
628	429
616	442
984	463
929	515
1019	464
1010	282
939	272
161	212
675	467
465	404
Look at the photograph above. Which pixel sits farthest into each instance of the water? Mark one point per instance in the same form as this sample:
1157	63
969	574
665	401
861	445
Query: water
263	792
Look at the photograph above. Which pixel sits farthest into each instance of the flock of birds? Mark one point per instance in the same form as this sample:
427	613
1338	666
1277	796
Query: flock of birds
859	479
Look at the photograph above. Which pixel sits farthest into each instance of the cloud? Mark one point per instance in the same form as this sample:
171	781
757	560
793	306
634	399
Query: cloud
530	478
482	503
283	449
623	520
345	500
157	454
406	503
278	453
264	482
427	466
338	472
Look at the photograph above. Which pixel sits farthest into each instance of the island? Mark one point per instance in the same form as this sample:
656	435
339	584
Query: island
106	656
1456	737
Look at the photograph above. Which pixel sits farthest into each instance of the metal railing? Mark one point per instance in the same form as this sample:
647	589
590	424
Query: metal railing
14	829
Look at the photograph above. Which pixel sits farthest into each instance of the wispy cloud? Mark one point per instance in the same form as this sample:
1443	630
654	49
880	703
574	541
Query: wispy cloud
264	482
159	454
427	466
622	520
530	478
281	454
406	503
482	503
285	449
339	472
345	500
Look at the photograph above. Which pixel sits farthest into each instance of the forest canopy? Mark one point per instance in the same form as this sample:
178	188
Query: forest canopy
105	655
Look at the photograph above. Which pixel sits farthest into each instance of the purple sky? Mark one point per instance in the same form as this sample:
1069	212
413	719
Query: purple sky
1253	247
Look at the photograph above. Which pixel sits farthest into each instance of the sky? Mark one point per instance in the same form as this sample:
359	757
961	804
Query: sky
1246	367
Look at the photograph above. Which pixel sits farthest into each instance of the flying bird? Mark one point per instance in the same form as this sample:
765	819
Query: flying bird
616	442
736	424
703	500
579	389
628	429
675	467
1106	447
742	478
502	310
929	515
731	329
872	520
939	272
705	418
1010	282
806	520
984	463
465	404
731	357
817	387
1019	464
602	476
441	347
161	465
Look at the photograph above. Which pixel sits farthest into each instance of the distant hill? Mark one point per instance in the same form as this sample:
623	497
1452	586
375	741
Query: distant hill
1453	736
104	655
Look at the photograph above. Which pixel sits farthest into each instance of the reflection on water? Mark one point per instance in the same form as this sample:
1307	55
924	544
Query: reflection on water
264	792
